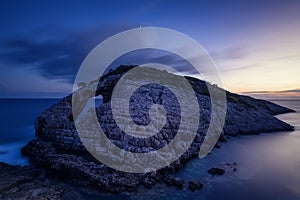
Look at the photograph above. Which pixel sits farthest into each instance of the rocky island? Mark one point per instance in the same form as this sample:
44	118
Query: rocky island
59	154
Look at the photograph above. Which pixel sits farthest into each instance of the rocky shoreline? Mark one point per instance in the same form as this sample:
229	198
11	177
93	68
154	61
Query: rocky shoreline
59	152
29	182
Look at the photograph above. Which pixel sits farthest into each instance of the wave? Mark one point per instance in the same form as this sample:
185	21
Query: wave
10	153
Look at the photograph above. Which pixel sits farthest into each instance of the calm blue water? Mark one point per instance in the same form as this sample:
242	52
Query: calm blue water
268	165
16	126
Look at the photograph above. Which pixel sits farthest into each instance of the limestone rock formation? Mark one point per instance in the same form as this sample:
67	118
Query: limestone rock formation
59	150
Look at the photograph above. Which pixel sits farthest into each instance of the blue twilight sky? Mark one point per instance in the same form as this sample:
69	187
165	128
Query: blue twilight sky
255	44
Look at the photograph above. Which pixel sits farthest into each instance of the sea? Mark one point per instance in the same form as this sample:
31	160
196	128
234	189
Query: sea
267	164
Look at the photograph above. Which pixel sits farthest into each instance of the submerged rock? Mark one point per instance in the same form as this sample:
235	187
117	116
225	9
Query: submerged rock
59	150
178	182
216	171
195	185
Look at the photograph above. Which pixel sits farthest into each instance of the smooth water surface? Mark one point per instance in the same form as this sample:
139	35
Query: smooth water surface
268	165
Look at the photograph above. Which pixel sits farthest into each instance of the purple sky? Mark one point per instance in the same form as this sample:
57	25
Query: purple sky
255	44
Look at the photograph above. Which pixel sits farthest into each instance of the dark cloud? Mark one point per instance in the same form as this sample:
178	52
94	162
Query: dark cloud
60	57
297	90
55	56
47	61
144	56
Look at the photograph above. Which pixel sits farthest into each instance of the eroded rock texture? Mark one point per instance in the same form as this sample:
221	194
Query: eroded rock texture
59	150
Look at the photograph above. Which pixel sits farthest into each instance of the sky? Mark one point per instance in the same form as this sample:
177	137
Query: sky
254	44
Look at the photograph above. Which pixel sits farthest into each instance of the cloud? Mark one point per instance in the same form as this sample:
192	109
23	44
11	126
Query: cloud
293	95
287	57
144	56
45	62
244	67
234	58
17	82
231	53
61	57
283	91
55	57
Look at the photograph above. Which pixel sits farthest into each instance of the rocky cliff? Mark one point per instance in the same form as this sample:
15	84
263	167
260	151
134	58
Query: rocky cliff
59	150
